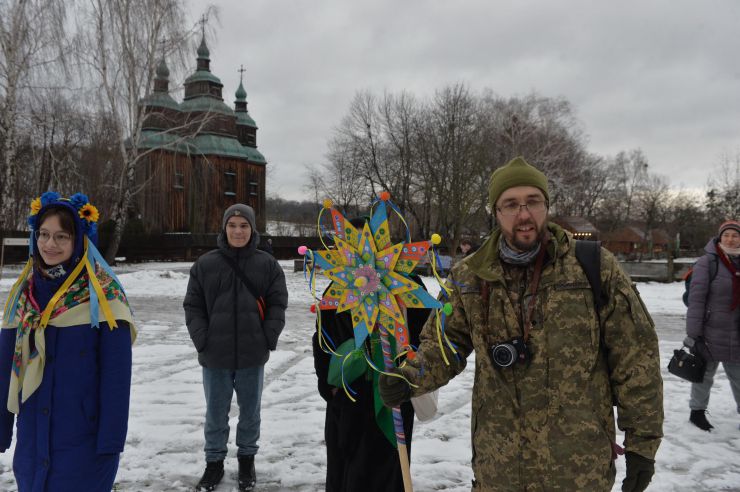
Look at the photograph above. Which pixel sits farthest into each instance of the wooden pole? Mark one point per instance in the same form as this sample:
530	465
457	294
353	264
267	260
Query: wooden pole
403	456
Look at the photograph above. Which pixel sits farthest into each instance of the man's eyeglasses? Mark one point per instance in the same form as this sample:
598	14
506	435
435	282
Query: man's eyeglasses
60	238
512	209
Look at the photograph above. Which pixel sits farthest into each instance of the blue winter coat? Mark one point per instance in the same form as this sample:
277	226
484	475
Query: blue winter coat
71	430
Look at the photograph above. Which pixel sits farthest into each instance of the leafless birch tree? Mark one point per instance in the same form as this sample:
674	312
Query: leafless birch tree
122	42
31	39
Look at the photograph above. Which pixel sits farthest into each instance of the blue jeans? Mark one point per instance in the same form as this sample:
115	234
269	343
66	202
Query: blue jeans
219	386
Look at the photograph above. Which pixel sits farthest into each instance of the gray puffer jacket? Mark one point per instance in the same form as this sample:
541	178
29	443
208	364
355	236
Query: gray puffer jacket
222	315
709	314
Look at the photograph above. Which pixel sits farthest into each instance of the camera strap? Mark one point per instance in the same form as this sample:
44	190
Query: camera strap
535	284
486	289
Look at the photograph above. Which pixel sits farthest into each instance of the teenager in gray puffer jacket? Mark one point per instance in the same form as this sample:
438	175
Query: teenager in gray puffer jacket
713	317
234	335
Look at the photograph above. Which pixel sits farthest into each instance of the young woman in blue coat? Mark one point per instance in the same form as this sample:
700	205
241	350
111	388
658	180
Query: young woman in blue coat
65	356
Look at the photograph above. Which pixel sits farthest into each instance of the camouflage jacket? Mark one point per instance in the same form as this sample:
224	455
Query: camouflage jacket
549	425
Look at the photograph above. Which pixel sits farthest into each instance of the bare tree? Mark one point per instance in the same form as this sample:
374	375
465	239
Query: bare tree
453	165
435	156
60	131
31	38
340	179
723	200
359	134
651	205
543	130
121	44
686	220
400	117
372	151
580	194
626	174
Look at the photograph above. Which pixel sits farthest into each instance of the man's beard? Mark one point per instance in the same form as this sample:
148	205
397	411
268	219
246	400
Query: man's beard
524	246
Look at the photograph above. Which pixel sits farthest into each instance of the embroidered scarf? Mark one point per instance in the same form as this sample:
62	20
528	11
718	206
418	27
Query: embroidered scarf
30	345
735	276
55	271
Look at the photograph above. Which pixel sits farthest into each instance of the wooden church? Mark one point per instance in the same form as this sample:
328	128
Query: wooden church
199	156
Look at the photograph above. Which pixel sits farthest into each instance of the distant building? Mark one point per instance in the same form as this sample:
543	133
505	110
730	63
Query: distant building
633	241
580	227
202	155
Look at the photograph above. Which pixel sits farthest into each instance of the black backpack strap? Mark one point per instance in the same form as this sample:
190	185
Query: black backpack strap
588	254
240	274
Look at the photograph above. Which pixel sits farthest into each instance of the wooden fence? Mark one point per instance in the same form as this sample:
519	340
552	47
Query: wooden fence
187	247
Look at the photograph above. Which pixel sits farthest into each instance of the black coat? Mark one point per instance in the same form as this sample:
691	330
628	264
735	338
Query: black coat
359	457
222	315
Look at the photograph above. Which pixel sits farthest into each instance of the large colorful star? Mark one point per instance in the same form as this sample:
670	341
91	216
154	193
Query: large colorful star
370	276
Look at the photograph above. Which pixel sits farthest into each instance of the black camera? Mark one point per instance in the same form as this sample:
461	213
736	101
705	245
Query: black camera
506	354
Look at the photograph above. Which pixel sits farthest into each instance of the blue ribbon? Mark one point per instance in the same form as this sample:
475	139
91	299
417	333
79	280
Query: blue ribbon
12	310
94	303
95	257
398	211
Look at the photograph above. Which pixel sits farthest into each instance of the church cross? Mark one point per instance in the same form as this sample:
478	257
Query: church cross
203	20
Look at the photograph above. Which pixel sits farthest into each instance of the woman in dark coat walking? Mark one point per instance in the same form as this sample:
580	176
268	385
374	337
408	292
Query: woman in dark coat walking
713	317
63	373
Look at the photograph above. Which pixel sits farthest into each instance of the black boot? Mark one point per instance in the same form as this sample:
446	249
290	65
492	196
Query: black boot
700	420
247	475
212	476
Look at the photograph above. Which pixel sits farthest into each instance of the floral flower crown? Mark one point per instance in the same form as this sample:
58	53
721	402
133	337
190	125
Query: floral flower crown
86	211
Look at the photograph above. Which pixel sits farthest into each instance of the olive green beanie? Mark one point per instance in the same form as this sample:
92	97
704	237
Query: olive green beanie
516	173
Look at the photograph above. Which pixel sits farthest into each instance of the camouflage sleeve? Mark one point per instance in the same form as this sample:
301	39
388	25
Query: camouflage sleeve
436	363
633	358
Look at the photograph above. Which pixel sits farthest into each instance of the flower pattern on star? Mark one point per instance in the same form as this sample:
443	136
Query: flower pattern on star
370	276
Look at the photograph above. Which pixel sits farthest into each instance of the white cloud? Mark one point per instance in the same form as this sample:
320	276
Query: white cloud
659	75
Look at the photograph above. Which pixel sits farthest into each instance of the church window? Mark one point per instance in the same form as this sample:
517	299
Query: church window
179	182
230	183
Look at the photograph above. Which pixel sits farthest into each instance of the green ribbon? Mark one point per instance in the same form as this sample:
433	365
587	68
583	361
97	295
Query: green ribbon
347	361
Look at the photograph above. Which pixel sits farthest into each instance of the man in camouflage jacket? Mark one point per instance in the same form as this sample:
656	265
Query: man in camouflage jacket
546	423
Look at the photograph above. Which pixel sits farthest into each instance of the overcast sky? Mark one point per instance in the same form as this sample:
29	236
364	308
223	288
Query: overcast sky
660	75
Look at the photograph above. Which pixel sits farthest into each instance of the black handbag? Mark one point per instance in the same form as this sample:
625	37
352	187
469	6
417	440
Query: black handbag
688	366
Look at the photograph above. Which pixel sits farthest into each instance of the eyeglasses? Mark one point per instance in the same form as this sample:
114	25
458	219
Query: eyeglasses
513	209
60	238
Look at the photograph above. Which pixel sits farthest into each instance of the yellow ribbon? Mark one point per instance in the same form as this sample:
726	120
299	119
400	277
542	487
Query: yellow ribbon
102	300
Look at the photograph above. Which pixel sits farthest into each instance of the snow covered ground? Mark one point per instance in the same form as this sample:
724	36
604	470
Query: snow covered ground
165	440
